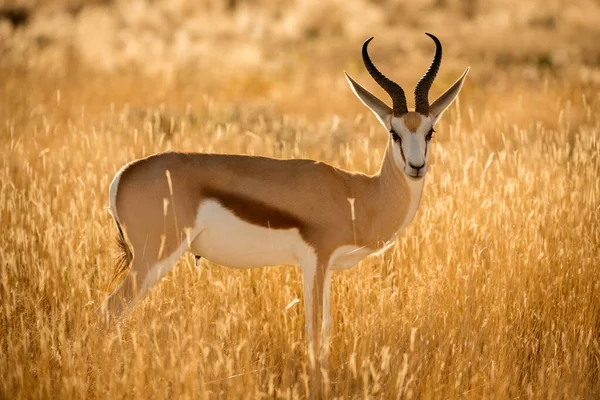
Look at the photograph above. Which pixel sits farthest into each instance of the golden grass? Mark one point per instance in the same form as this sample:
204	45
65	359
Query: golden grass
492	292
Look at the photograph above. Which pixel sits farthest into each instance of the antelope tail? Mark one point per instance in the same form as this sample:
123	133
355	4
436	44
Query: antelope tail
123	259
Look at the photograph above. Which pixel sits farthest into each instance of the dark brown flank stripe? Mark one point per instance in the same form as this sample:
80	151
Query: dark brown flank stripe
253	211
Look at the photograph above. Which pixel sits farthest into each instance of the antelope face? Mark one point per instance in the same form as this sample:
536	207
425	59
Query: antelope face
410	131
410	137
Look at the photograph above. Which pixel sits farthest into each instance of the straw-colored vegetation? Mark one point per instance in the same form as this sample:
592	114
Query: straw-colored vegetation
492	292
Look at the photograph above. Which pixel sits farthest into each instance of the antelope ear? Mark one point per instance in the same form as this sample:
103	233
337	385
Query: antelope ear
443	102
381	110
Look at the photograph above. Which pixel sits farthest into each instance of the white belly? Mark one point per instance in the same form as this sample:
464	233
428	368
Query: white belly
345	257
225	239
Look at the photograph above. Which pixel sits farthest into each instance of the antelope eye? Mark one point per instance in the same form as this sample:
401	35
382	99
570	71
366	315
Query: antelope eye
395	136
429	135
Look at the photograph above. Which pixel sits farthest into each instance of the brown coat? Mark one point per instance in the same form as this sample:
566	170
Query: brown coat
281	194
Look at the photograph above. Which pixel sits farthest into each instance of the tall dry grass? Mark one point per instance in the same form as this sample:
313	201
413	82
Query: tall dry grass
492	292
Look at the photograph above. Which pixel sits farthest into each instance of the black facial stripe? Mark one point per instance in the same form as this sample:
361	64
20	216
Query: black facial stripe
428	138
402	152
392	132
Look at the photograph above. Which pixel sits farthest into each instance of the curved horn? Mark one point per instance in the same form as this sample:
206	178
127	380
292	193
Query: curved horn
424	84
399	106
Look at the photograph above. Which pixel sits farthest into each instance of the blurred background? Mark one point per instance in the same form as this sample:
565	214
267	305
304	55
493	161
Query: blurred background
492	291
254	44
155	36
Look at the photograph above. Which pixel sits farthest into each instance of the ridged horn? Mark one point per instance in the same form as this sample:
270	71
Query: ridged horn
399	106
422	88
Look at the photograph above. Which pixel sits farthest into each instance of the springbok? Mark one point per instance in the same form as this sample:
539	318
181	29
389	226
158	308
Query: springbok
246	211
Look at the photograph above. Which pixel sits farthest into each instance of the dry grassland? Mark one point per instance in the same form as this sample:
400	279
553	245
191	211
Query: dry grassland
492	292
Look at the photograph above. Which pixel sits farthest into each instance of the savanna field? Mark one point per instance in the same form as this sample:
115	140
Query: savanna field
493	291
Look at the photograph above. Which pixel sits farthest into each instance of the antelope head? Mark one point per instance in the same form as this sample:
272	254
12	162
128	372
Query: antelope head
410	131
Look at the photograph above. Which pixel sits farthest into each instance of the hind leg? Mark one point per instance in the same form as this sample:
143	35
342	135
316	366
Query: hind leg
141	278
123	295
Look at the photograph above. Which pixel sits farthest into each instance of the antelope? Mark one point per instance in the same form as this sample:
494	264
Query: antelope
248	211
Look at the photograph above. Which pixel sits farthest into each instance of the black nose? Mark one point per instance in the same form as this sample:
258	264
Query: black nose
416	167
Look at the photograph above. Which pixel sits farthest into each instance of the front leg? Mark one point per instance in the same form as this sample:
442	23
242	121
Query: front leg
327	321
313	277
